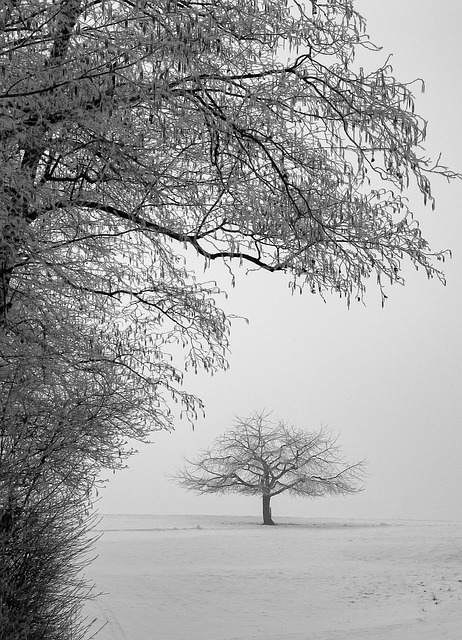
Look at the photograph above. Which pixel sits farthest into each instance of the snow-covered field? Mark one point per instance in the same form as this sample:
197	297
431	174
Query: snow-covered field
229	578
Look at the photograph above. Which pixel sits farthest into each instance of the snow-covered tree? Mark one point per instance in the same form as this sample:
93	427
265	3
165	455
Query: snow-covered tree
134	134
242	130
259	457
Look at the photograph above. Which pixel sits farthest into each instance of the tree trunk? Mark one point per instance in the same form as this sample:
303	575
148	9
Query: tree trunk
267	510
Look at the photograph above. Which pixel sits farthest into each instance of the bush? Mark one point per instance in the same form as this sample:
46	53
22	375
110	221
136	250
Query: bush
44	545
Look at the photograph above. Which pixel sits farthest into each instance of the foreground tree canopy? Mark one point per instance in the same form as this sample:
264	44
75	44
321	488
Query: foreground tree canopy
244	130
258	457
132	130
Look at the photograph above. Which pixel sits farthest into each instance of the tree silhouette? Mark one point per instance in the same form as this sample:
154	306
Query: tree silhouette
259	457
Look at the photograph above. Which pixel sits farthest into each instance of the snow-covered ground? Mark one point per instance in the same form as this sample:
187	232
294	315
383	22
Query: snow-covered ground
229	578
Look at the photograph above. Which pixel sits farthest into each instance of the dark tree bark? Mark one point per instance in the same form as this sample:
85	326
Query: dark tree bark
267	519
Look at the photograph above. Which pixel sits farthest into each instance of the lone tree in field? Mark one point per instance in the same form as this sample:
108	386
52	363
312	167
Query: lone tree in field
135	134
259	457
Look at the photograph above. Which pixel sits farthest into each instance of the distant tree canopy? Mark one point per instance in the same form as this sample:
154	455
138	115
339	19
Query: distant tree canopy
132	130
259	457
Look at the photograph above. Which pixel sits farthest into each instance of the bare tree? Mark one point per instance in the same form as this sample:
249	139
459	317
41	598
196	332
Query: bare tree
134	134
260	457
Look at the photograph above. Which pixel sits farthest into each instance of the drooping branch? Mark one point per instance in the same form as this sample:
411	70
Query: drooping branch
248	159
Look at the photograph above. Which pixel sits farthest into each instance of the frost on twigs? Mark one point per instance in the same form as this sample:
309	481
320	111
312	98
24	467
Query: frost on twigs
241	129
131	130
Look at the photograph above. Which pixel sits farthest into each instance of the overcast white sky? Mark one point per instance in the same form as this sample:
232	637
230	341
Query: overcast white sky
388	381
